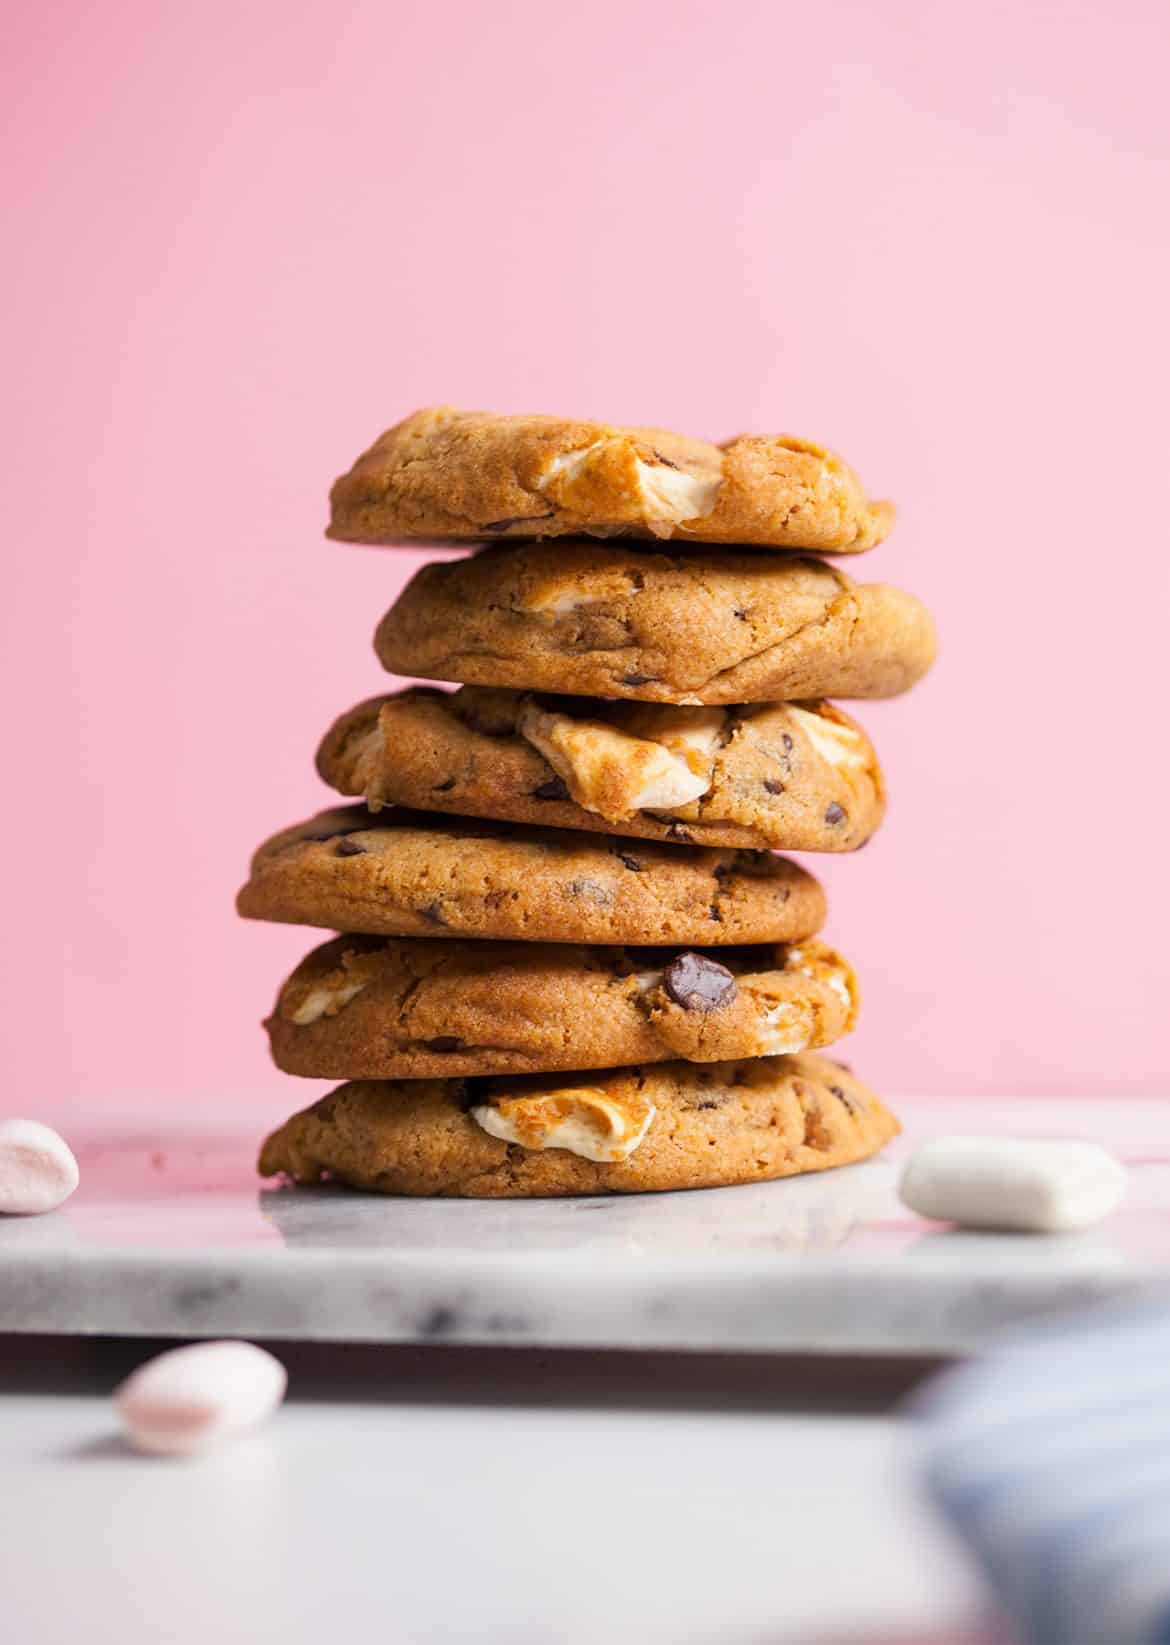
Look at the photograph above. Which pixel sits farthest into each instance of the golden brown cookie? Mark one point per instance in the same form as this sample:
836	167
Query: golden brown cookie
598	619
786	776
690	1125
407	873
464	475
400	1008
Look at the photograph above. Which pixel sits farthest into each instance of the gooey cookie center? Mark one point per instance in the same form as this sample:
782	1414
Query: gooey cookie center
586	1121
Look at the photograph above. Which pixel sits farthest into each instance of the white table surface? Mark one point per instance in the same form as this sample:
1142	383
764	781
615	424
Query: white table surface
480	1495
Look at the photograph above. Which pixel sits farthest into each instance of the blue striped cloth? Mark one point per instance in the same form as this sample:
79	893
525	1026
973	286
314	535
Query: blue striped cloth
1051	1457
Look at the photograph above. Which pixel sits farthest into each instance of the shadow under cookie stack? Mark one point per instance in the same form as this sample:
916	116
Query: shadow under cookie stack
571	962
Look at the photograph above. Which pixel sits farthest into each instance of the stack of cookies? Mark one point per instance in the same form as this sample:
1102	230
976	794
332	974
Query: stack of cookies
569	961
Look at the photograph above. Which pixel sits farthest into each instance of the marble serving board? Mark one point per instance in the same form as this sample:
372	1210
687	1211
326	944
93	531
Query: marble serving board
172	1234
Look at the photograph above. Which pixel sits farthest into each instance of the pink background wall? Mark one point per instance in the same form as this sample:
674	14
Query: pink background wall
242	239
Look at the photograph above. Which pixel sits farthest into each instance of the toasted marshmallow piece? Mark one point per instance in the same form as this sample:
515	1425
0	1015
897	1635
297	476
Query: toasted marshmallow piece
668	495
188	1399
37	1169
326	1002
583	1120
834	741
1004	1182
609	772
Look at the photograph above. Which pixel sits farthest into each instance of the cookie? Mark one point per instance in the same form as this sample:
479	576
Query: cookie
602	620
787	776
469	475
405	1009
629	1130
408	874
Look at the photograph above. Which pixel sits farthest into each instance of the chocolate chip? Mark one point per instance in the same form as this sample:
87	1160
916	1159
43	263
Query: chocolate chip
773	786
638	679
697	983
677	832
553	789
835	814
704	1106
444	787
664	460
715	914
787	741
444	1043
589	891
842	1098
741	614
632	863
350	848
433	913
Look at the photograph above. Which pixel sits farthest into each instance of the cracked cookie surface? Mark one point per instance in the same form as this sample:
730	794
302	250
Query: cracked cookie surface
765	776
383	1008
406	873
601	620
713	1125
472	475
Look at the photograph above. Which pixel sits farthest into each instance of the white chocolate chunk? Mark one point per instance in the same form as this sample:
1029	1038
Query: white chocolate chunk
1005	1182
37	1169
837	743
190	1398
583	1120
322	1001
671	495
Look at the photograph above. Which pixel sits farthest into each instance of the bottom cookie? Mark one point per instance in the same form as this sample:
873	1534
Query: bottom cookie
624	1130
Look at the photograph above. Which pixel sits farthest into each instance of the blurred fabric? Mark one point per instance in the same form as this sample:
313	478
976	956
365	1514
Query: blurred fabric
1051	1458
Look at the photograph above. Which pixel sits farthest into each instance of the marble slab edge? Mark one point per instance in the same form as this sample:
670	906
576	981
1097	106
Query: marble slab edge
768	1304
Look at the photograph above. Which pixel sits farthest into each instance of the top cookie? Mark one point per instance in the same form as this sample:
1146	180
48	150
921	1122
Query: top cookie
471	475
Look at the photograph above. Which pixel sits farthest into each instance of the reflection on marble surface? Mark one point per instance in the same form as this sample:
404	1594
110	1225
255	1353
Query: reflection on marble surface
175	1234
811	1214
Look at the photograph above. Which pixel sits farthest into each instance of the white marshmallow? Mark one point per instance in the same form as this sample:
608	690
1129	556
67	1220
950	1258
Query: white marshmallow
1004	1182
190	1398
37	1169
